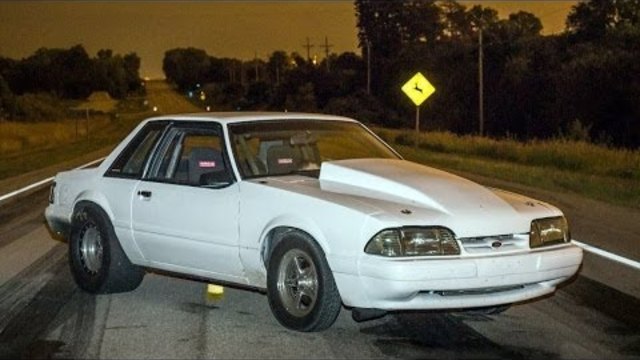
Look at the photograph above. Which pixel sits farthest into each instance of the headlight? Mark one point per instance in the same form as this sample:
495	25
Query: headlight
413	241
549	231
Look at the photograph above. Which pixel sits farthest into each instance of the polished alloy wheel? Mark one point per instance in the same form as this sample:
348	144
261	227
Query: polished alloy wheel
91	249
297	282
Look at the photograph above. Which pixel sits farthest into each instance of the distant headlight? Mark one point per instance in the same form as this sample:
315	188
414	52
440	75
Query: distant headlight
549	231
413	241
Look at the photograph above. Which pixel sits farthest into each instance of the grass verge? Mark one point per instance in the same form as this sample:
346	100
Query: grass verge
610	177
46	148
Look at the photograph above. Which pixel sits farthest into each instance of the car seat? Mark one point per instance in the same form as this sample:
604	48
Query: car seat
283	159
203	161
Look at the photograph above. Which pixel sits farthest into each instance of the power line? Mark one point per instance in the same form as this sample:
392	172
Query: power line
255	62
326	47
308	46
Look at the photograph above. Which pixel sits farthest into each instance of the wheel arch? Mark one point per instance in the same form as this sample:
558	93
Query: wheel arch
117	273
93	198
99	201
274	233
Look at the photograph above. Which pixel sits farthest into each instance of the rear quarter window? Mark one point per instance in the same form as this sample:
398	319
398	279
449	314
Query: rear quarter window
132	160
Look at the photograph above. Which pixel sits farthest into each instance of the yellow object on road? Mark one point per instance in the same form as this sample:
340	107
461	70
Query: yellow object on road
214	291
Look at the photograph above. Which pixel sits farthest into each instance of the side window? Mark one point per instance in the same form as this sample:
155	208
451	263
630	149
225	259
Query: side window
130	163
192	155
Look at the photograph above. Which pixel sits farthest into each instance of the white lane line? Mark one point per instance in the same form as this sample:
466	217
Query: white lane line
26	188
42	182
608	255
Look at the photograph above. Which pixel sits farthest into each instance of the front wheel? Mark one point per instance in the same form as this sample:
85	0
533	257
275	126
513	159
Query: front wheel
300	287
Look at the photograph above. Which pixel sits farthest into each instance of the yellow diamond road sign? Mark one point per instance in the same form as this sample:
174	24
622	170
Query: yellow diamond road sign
418	89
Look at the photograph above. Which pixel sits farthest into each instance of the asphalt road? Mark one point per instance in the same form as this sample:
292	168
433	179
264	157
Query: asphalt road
44	315
166	100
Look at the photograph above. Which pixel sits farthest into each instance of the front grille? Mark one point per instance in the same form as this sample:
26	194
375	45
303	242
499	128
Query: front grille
495	244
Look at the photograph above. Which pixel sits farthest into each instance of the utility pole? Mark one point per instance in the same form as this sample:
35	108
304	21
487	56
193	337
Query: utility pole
87	123
231	68
368	67
255	62
481	80
308	46
326	47
242	74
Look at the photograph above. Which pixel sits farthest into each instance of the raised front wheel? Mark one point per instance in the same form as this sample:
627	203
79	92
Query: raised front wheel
300	287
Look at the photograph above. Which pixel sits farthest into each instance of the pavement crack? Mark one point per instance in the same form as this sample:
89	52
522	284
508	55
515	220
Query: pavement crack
125	327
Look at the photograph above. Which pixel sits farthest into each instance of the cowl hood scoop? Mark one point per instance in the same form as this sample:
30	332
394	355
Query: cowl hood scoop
409	183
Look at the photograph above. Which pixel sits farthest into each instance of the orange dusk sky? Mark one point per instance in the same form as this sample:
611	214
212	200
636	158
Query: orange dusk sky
223	28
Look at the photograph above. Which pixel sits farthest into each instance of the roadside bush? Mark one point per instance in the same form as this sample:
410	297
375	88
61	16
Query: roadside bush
132	105
38	107
359	106
577	131
405	139
304	100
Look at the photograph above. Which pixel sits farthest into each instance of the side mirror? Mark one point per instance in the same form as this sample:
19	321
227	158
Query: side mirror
216	179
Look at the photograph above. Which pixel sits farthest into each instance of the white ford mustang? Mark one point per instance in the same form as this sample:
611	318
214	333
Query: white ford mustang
315	210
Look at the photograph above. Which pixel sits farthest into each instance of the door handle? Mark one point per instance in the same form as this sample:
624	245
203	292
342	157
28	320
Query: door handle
144	194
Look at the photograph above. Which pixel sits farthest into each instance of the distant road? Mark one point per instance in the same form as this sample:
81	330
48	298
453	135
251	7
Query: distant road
160	94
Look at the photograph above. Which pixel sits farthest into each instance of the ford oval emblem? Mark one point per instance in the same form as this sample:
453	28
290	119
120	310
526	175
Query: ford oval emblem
496	244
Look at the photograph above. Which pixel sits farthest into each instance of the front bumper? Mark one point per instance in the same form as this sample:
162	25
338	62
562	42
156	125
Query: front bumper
58	225
453	283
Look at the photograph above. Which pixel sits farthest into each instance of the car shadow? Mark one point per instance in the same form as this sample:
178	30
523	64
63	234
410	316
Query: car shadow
436	334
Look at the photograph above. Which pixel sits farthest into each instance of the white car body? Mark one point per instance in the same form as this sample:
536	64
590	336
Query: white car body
221	234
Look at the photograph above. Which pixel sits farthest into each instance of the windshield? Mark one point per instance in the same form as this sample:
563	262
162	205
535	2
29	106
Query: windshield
268	148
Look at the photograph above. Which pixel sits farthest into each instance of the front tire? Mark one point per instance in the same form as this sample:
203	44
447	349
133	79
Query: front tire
300	287
97	261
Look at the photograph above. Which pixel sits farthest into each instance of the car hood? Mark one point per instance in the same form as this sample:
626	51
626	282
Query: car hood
393	193
412	184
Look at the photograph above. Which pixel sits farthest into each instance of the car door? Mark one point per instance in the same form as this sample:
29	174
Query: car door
185	209
122	177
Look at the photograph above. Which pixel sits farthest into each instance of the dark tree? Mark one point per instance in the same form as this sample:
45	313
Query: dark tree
7	100
75	74
592	19
131	63
277	66
110	74
420	22
379	22
186	67
522	25
455	21
65	73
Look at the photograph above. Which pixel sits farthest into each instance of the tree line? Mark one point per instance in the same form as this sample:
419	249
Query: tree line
581	83
283	81
31	88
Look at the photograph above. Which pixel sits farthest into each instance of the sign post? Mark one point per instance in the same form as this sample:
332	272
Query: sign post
418	89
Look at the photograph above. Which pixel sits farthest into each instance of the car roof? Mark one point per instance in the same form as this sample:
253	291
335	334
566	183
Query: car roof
246	116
